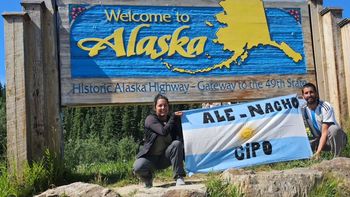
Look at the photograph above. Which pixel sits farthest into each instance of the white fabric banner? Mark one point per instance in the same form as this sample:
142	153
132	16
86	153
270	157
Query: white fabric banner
234	136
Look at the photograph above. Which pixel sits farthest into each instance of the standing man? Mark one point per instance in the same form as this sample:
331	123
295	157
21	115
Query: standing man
319	115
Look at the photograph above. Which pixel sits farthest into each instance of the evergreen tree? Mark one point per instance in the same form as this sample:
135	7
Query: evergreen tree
127	121
77	124
136	110
2	92
108	126
3	130
145	111
118	122
86	122
97	117
98	134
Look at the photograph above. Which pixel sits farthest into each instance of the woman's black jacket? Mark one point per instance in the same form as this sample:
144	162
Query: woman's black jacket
154	127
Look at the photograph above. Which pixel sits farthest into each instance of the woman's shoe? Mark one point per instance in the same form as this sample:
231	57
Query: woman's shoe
180	181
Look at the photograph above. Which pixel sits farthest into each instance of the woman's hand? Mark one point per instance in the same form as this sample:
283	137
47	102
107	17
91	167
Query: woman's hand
178	113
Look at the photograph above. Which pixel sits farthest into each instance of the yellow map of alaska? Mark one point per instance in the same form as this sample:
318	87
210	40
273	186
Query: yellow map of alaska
246	28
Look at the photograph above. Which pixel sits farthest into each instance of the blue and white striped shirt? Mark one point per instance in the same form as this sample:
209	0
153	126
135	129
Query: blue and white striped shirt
323	113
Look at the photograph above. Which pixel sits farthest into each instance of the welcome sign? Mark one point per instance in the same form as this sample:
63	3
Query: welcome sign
235	136
188	50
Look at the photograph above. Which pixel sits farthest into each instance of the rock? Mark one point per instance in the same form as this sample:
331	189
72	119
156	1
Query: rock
164	190
186	191
293	182
79	189
339	167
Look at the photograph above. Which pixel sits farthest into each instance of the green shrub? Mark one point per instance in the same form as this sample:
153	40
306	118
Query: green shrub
36	177
93	151
127	149
54	166
346	127
85	151
6	188
92	160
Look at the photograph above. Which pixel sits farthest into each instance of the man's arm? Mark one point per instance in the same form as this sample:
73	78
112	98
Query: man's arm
327	121
323	139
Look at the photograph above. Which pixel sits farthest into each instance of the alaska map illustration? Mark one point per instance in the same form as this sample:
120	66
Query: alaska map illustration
246	28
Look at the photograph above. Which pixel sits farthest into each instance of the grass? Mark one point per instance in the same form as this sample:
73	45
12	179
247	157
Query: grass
328	187
35	179
6	188
165	175
220	188
283	165
346	127
116	173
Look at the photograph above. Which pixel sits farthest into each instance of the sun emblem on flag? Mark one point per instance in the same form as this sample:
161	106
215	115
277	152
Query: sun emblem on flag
246	133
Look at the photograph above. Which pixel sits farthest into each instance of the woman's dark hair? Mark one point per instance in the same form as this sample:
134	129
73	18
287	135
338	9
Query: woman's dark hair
160	96
309	85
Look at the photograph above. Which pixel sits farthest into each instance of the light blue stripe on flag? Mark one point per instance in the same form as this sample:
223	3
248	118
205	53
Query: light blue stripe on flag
284	149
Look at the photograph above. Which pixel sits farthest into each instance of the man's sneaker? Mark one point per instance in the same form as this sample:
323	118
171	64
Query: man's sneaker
180	181
148	183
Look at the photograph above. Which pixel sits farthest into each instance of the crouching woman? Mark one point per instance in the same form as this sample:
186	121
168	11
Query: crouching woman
163	144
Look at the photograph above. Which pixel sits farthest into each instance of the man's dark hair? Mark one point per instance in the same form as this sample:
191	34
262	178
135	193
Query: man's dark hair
160	96
308	85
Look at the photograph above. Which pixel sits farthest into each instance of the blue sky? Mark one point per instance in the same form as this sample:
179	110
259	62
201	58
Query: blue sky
14	6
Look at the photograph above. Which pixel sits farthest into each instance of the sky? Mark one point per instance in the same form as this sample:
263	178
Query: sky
15	6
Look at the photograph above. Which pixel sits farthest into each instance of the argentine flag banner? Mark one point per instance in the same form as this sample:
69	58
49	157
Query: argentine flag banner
240	135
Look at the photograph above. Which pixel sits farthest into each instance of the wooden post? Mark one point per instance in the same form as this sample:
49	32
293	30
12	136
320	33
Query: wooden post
52	79
16	91
45	80
315	6
33	101
36	87
345	38
330	32
339	63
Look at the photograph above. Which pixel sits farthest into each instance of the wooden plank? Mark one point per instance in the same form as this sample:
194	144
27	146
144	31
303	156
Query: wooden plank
51	78
345	39
97	91
340	69
331	67
318	48
35	82
16	92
